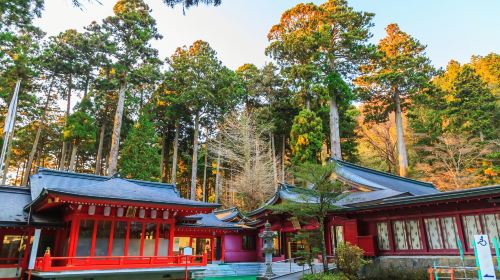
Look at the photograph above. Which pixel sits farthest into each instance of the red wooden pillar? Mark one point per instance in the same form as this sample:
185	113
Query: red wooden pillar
222	247
423	235
157	237
461	235
328	239
171	240
73	236
212	244
143	231
127	236
391	236
94	234
111	236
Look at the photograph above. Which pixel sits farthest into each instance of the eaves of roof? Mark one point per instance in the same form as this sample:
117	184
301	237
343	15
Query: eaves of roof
47	191
385	174
443	196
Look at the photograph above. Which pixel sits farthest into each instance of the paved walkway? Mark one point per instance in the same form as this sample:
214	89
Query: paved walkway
296	276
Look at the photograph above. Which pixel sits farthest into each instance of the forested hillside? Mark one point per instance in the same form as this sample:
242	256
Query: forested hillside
230	135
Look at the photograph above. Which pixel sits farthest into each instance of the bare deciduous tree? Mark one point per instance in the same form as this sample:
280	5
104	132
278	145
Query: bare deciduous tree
451	163
245	151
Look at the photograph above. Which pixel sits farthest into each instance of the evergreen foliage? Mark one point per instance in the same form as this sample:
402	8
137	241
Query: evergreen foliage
318	196
140	154
306	137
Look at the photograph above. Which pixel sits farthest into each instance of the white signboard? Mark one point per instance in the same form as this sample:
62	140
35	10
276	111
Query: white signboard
484	257
34	248
188	251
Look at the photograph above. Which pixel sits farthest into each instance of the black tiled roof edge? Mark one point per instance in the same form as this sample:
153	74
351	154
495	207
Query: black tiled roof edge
378	172
103	178
396	201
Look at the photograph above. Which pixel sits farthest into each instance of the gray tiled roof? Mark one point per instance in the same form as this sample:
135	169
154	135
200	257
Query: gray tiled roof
209	221
358	198
382	186
108	188
12	202
378	180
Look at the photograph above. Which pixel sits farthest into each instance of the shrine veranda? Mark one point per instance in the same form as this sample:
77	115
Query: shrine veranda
94	225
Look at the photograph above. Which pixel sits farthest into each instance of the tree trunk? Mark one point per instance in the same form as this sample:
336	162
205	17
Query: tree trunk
205	176
334	129
283	160
72	161
163	172
194	164
273	158
176	148
62	161
308	102
162	159
7	157
98	161
117	125
12	112
323	244
217	173
205	168
34	148
403	159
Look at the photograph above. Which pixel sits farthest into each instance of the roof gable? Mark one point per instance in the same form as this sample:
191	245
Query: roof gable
378	180
102	187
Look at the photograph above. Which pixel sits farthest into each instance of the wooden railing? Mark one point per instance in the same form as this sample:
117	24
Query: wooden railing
48	263
7	262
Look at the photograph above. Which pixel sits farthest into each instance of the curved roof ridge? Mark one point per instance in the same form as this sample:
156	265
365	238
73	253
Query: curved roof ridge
374	171
42	170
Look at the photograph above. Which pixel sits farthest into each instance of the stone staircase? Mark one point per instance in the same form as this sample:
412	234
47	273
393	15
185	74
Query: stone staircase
245	269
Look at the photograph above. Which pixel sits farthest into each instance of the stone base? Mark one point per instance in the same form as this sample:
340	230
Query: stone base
412	267
421	262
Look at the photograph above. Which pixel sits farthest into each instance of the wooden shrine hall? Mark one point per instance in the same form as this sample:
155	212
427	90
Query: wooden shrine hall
108	224
96	227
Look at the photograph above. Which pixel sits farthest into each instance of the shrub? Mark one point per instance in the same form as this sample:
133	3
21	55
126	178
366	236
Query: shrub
349	259
336	276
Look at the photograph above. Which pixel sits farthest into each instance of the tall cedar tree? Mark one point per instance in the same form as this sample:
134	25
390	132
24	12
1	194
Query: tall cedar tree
398	72
472	108
306	137
79	129
130	31
316	45
140	153
318	195
206	88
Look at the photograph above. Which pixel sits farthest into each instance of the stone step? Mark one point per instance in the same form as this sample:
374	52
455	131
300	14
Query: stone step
243	269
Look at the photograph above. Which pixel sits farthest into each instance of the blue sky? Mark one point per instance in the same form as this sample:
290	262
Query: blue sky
452	29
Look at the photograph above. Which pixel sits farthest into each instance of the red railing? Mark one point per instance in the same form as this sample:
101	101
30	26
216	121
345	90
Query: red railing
48	263
9	262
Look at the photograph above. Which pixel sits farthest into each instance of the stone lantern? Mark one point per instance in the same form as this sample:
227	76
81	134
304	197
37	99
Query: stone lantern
268	248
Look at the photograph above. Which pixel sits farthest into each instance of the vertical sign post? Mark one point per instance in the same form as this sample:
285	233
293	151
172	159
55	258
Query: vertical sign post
483	256
34	250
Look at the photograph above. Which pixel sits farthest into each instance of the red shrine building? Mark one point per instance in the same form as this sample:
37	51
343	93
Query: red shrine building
93	225
81	226
390	217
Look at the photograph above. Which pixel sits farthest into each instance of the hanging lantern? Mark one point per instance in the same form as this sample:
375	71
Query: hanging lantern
119	212
91	210
107	211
